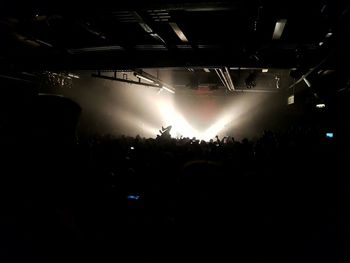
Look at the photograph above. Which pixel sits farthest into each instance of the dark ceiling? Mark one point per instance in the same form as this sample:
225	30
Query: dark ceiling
145	34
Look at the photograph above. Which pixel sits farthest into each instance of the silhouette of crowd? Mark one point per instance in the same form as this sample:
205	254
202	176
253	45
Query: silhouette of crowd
282	197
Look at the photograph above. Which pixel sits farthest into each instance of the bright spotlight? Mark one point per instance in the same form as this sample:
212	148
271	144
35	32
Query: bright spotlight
279	28
179	124
133	197
216	128
329	34
329	135
320	105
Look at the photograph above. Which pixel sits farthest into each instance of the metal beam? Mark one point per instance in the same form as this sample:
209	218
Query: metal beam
254	91
223	76
229	78
15	78
125	80
151	77
223	82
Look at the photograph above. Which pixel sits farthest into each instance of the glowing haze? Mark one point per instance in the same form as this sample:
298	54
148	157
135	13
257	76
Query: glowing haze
119	108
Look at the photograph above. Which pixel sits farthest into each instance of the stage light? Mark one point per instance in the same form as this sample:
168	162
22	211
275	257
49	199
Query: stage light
329	135
147	112
320	105
277	33
133	197
329	34
291	100
216	128
178	32
179	124
265	70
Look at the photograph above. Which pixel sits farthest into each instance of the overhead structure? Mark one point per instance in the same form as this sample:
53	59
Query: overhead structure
169	33
225	78
101	75
148	80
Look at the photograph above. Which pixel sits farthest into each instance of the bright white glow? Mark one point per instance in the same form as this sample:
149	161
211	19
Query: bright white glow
180	126
265	70
140	111
216	128
148	129
280	24
130	119
232	115
330	135
167	89
206	70
144	78
73	76
133	197
307	82
290	99
321	43
329	34
178	32
321	105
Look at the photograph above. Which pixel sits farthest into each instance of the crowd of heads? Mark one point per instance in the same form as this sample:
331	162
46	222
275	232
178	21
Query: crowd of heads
105	197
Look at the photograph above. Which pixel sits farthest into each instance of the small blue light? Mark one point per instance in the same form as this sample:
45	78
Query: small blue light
329	134
133	197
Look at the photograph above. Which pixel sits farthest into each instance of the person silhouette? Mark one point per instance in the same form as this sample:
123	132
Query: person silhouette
165	132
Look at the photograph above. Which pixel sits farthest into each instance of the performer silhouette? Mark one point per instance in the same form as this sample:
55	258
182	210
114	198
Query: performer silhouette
165	132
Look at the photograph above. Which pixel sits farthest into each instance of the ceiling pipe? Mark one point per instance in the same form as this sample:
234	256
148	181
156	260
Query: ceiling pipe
312	70
226	81
331	53
223	82
124	80
229	79
155	79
